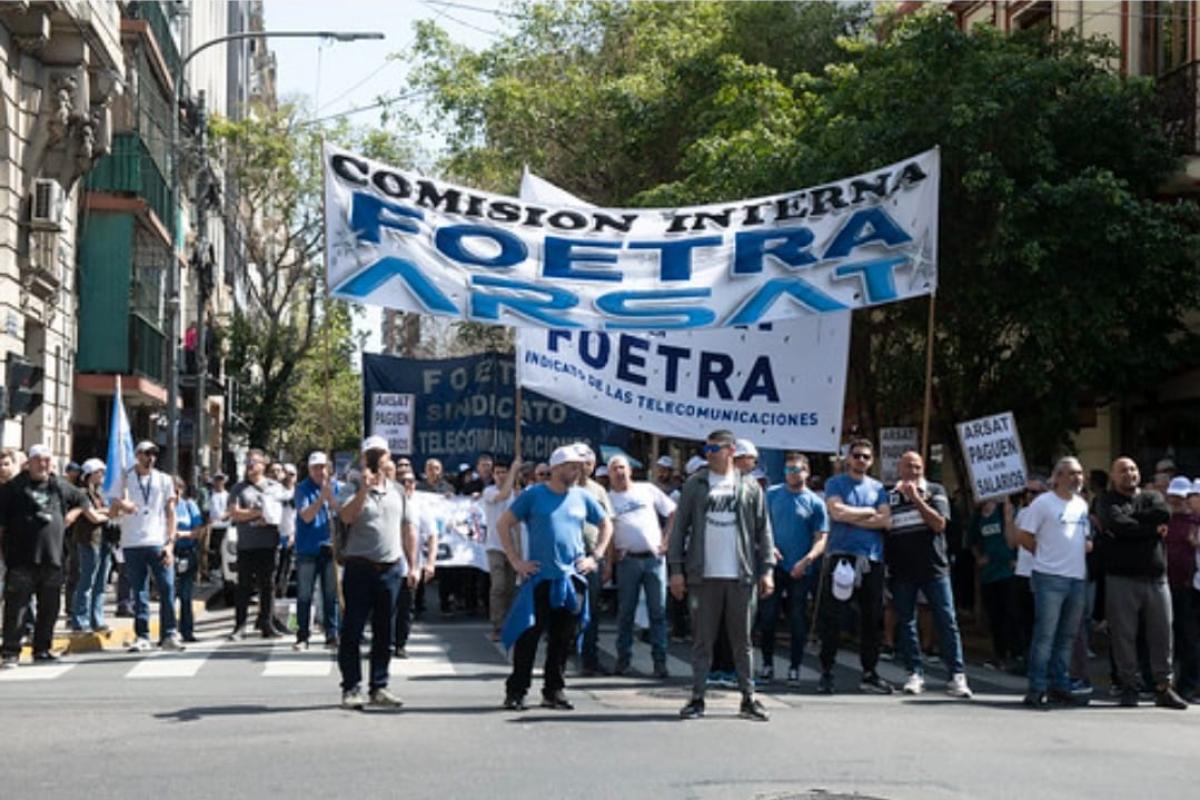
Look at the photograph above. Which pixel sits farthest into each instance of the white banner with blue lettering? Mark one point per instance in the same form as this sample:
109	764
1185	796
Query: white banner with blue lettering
405	241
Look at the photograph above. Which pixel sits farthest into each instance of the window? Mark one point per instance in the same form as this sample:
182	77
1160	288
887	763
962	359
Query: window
1165	36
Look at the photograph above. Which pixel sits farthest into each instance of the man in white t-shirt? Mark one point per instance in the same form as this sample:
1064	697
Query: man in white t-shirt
640	547
1056	530
144	501
218	520
496	499
720	549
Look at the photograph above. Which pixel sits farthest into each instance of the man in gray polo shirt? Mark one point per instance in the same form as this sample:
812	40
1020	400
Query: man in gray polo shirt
379	544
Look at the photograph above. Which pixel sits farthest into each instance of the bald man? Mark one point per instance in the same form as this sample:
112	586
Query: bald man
1133	529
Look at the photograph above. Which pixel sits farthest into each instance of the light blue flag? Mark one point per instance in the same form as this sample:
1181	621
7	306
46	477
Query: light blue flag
120	444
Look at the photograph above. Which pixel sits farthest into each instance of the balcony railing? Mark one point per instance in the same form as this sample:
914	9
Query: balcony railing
145	349
129	169
1179	94
152	12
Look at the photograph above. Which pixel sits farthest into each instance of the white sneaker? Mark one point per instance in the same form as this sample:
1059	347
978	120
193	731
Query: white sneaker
915	684
957	687
173	644
141	645
354	699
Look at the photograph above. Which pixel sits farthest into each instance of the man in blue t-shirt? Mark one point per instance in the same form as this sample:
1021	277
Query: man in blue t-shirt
858	506
554	596
314	501
800	523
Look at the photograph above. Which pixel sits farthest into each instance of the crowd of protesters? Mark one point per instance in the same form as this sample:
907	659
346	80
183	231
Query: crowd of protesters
715	554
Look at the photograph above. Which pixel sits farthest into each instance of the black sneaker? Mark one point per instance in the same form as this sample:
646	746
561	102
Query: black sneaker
1065	697
46	657
1128	698
237	635
514	702
1037	700
400	652
871	682
622	668
660	671
825	683
557	701
753	709
270	633
694	709
1166	697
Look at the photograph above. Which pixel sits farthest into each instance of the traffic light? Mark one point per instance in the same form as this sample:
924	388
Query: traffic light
21	377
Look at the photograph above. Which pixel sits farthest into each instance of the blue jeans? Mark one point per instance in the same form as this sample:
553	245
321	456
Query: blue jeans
185	586
94	562
941	602
1058	608
798	590
370	594
308	569
632	575
140	563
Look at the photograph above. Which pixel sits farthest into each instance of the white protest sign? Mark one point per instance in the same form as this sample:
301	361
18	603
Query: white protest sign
992	449
893	443
457	521
403	240
392	418
781	384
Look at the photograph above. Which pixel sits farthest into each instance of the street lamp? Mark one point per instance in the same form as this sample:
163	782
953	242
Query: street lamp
172	366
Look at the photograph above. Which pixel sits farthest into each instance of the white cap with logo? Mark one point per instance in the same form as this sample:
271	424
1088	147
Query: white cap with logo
666	462
374	443
92	465
1179	486
744	447
317	459
39	451
567	454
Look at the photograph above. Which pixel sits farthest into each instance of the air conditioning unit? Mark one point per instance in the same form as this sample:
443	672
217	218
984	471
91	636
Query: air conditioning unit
46	205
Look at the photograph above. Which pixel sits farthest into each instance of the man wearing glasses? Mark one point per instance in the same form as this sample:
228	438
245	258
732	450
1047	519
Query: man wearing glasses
858	506
1056	529
720	549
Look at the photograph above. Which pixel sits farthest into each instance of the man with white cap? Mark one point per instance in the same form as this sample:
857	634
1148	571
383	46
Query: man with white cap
589	657
664	468
745	456
379	550
33	508
554	596
145	500
315	504
1183	539
1133	524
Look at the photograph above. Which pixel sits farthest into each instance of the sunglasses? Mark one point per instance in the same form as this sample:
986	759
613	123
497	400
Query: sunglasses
709	449
861	456
795	470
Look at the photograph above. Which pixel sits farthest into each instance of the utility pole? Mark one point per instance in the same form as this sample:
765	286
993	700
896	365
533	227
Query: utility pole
203	272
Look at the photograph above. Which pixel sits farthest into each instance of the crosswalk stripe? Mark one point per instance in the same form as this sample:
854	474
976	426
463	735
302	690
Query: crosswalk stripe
286	663
36	673
169	665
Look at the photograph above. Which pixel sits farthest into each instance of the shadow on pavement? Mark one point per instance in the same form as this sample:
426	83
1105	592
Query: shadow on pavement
201	712
660	716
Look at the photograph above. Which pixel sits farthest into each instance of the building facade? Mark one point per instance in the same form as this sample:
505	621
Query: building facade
62	70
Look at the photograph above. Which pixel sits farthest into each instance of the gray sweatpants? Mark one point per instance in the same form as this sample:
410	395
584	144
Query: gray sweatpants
710	601
1148	600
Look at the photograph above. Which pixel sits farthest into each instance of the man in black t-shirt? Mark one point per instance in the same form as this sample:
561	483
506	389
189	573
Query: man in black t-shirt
33	506
915	552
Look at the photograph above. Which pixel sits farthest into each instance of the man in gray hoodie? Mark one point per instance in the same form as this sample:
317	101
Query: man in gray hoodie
720	549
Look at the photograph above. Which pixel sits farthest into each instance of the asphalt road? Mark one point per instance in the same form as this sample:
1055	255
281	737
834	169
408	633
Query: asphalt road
254	719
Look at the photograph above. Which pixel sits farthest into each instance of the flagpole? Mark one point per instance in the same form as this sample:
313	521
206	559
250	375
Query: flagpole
928	410
517	416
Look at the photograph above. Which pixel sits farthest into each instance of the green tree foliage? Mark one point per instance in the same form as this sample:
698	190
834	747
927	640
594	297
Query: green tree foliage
283	323
1063	277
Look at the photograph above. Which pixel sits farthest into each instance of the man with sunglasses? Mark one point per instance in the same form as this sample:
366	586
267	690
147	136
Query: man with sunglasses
859	508
720	549
799	523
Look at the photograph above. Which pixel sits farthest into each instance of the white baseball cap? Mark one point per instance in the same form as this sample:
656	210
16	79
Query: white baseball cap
585	452
39	451
1195	487
92	465
567	454
374	443
145	445
602	471
289	468
1180	486
666	461
694	464
318	459
843	581
744	447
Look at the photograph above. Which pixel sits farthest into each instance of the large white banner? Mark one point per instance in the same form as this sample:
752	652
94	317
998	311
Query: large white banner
402	240
780	384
